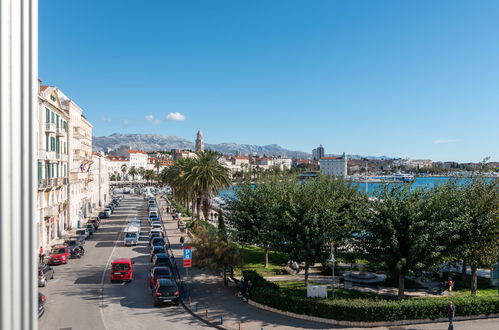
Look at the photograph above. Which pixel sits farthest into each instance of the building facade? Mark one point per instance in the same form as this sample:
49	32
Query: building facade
318	153
336	166
199	141
52	139
99	170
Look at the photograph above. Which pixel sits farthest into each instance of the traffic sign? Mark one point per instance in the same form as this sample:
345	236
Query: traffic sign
187	253
187	263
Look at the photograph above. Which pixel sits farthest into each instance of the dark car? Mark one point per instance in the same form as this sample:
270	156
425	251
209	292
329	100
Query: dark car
165	291
115	202
162	259
154	218
158	241
83	232
94	222
80	239
45	272
41	304
103	215
75	247
91	229
157	249
154	234
157	273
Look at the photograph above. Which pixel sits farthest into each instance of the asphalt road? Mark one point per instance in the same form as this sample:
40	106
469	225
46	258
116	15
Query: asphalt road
81	295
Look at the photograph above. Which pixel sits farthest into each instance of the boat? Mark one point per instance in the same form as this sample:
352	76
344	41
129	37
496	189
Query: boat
402	177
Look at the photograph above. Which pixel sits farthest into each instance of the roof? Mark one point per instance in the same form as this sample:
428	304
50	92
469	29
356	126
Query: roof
131	151
43	88
302	160
165	281
117	159
241	157
122	261
330	158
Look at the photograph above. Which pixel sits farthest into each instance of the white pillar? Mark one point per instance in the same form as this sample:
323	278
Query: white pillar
18	104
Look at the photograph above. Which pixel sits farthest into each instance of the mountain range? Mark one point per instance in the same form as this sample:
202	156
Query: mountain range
156	142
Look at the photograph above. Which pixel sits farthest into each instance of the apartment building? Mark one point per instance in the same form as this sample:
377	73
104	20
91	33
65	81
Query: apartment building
336	166
99	170
52	217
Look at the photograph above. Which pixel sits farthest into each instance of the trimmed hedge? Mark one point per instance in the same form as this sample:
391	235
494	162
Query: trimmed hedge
367	310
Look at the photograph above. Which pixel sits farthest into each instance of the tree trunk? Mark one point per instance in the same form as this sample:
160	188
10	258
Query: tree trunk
463	273
401	285
473	280
198	208
306	273
266	255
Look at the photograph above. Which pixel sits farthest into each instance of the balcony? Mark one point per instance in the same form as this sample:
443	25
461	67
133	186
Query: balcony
51	211
77	176
79	154
50	127
47	183
62	157
79	133
61	132
47	155
62	181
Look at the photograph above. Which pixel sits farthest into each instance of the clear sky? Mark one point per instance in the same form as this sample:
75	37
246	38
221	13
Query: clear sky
416	79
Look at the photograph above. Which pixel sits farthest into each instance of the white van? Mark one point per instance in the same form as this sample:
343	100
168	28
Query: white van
131	234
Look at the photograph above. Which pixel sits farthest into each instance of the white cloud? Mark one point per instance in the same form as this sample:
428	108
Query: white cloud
149	117
157	122
105	119
176	116
442	141
125	121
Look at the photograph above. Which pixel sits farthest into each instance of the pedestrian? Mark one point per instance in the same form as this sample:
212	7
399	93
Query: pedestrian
451	312
41	255
182	241
449	285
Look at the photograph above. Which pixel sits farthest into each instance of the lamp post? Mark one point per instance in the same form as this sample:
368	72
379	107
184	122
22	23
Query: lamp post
333	261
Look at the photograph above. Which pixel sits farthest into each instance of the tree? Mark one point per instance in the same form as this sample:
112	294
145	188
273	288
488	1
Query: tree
254	213
221	229
479	225
149	175
124	170
404	231
317	214
157	165
206	176
141	172
133	172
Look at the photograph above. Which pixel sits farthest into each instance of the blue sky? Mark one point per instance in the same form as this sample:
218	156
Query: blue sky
415	79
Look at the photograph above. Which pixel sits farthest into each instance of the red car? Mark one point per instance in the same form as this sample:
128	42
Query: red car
122	270
59	255
157	273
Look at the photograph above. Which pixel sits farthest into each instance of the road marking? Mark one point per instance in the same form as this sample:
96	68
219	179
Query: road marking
105	270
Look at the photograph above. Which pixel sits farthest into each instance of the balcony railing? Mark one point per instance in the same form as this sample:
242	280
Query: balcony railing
50	127
79	133
48	155
47	183
61	131
62	157
79	154
78	176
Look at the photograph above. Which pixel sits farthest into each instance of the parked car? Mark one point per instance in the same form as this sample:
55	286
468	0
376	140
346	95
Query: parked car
154	234
157	273
109	211
94	222
151	219
157	225
45	272
122	270
41	304
59	255
162	259
91	229
104	215
165	291
158	241
157	249
82	234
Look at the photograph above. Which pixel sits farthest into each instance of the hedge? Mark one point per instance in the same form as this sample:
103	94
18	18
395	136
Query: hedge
180	208
367	310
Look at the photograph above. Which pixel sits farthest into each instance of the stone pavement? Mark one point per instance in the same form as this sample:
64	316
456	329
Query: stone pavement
206	290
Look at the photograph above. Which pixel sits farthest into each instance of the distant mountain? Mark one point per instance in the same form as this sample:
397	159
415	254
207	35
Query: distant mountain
155	142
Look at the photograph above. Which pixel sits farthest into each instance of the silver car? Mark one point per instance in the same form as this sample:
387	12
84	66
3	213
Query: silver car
45	272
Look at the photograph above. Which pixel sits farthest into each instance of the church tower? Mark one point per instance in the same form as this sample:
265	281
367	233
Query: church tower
199	141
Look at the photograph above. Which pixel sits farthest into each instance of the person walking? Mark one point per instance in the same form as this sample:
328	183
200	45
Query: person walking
182	241
41	255
449	285
451	312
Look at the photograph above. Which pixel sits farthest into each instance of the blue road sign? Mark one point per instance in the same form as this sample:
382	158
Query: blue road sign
187	253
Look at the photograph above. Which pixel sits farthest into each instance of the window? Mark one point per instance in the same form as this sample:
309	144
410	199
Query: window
52	144
57	120
47	147
52	117
57	145
40	170
47	115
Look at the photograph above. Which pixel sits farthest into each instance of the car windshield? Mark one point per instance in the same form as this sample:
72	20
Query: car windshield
72	243
59	251
131	235
161	271
121	267
167	289
81	231
90	226
158	241
159	249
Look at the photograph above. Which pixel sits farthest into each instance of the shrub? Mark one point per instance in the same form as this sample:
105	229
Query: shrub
257	280
369	310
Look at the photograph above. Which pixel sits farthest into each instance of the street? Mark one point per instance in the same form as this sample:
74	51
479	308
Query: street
81	295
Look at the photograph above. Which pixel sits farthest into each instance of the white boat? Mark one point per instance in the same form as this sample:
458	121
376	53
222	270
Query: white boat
402	177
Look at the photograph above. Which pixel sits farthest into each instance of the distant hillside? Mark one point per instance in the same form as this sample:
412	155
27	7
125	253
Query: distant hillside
155	142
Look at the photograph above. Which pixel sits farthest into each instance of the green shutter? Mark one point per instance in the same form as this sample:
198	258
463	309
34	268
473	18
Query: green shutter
40	171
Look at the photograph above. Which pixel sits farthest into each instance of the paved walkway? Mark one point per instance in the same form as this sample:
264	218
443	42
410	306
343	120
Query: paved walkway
206	290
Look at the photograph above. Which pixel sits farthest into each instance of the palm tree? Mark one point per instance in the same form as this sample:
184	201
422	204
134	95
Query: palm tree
124	169
174	176
133	172
207	176
149	175
141	172
157	165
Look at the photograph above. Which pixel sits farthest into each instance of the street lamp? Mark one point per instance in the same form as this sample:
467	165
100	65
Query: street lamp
333	261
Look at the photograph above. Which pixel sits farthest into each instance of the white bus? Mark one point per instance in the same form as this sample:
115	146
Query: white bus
132	231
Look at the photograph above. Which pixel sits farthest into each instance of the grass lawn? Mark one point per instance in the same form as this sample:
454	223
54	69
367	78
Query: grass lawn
253	259
298	288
